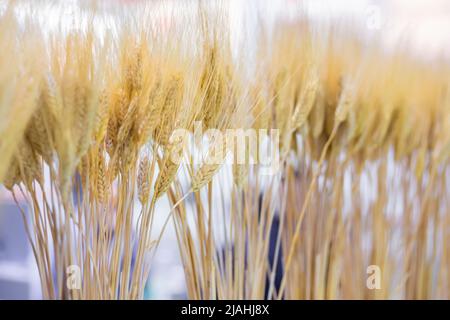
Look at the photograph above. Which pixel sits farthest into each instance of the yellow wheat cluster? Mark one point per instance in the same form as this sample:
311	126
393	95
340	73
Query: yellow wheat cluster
95	114
125	93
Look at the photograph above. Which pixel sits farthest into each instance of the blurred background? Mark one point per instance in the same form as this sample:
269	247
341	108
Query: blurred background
421	24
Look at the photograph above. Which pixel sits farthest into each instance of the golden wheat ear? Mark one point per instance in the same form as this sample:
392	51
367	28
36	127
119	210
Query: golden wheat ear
86	120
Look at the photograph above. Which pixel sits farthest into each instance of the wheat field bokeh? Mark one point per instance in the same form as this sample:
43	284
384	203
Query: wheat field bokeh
88	106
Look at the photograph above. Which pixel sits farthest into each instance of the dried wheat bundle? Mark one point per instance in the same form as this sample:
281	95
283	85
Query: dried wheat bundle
363	154
364	181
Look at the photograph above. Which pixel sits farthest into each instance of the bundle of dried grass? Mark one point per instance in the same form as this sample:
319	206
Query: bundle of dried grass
363	153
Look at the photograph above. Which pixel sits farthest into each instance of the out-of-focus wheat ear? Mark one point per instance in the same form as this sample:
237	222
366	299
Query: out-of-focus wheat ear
306	101
151	113
122	103
345	103
142	180
101	179
84	116
111	135
112	170
213	101
170	110
102	117
52	98
39	136
66	161
240	174
84	170
128	157
12	176
29	164
166	175
211	165
127	124
317	117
